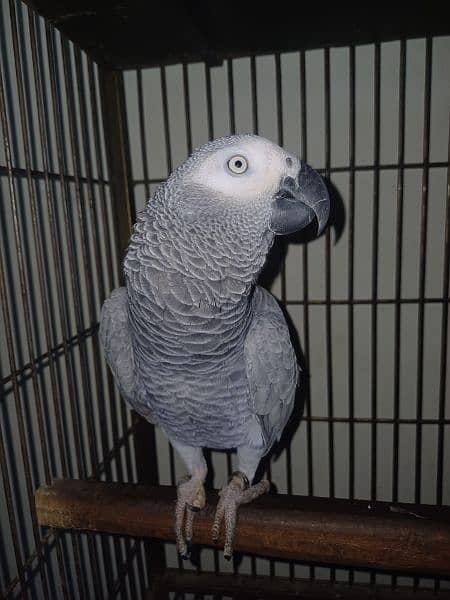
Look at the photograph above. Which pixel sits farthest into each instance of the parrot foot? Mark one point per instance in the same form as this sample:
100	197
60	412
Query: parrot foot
238	491
190	499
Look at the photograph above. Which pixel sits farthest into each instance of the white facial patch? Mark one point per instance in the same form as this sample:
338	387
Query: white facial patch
265	165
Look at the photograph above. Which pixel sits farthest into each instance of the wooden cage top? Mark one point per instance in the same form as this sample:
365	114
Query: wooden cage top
125	34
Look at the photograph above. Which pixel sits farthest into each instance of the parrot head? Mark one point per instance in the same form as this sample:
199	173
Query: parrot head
209	227
244	173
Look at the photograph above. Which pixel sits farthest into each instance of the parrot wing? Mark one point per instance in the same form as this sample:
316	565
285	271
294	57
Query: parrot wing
115	337
271	366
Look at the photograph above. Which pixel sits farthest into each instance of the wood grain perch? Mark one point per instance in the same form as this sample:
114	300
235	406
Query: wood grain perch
406	537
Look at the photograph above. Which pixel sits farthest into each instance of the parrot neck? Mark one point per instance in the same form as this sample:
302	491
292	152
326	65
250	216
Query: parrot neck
201	263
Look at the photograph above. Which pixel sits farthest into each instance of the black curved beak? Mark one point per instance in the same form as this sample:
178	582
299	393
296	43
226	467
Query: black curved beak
299	201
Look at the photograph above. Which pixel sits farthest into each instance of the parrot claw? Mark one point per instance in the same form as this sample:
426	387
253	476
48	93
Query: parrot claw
237	492
187	552
190	500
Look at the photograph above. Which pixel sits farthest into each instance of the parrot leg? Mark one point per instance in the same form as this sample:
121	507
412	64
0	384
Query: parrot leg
237	492
190	495
190	499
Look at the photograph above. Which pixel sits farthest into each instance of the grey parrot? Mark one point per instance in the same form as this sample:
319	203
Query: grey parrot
195	346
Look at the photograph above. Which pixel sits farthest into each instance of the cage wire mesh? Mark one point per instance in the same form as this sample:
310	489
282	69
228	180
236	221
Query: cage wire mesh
369	300
60	412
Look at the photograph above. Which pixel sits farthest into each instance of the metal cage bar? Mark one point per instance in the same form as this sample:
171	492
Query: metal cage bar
43	131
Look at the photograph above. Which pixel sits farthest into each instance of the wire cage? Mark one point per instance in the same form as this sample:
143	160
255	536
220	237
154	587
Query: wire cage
83	148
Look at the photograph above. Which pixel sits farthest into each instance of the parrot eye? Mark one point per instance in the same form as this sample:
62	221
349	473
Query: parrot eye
238	165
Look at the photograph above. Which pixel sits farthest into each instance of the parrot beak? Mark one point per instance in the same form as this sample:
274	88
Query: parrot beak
299	201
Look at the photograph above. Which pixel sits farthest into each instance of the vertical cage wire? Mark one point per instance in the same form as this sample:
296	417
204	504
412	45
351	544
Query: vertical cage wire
350	285
443	369
42	289
305	265
398	268
443	377
6	316
81	459
422	266
57	262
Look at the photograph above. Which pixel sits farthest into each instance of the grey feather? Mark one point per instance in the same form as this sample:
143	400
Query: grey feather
271	366
115	338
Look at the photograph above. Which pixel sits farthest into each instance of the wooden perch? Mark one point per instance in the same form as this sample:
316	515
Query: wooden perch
256	587
406	537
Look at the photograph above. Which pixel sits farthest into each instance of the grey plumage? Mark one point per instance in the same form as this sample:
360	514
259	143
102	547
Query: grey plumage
116	338
271	367
193	344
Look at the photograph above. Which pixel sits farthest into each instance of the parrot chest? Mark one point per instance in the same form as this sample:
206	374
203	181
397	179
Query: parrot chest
190	366
200	404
